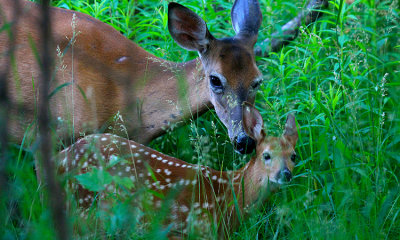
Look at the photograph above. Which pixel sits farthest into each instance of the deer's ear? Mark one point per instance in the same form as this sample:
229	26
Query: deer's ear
253	122
291	133
246	19
187	28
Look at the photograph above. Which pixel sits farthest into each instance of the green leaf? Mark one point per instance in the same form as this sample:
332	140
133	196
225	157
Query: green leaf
58	88
124	181
94	180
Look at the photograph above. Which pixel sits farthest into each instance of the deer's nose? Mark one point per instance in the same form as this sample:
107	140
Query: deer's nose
244	144
286	175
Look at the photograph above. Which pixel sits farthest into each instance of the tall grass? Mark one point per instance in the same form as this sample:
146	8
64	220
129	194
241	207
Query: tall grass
340	77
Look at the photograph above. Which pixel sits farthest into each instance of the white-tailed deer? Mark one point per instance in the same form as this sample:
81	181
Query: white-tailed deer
202	191
116	75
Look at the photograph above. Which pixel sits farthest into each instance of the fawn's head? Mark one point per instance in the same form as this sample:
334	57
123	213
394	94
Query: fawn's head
229	64
275	156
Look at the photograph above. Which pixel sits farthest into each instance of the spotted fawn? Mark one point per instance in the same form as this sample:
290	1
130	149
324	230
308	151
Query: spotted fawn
204	194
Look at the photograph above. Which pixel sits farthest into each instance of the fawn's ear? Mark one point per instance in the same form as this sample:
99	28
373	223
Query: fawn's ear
187	28
253	122
291	133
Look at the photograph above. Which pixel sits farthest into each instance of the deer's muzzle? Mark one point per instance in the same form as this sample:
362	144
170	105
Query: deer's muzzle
244	144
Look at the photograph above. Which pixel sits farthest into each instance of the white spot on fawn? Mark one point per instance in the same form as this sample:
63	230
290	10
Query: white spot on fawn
220	180
64	162
167	172
184	209
85	164
103	139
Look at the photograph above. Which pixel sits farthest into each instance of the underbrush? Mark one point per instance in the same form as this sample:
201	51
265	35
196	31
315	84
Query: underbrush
341	79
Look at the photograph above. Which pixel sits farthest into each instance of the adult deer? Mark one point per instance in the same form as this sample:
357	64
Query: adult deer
116	75
202	194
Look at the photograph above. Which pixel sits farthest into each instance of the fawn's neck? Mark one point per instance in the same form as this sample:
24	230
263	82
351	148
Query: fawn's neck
250	184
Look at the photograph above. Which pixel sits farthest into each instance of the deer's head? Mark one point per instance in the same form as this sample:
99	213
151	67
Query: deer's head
229	64
275	156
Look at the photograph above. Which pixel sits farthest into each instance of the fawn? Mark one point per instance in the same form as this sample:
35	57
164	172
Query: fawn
211	196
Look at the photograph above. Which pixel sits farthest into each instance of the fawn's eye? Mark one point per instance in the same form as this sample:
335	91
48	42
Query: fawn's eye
216	84
293	157
267	157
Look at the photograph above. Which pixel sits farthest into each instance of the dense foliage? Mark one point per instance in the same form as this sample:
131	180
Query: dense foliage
341	78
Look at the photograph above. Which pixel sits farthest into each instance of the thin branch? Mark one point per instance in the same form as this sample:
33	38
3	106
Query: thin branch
56	201
5	103
290	30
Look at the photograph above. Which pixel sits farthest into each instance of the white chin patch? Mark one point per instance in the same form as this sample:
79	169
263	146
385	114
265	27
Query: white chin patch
281	182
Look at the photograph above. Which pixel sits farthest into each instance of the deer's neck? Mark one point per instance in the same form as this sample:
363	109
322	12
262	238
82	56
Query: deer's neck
167	92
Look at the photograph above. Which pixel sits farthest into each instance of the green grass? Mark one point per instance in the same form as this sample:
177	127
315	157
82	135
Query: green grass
341	77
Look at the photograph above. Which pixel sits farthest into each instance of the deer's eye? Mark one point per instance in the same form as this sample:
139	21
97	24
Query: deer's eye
267	157
293	157
216	84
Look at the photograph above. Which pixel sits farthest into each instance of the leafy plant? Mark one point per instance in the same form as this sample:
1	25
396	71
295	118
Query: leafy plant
341	78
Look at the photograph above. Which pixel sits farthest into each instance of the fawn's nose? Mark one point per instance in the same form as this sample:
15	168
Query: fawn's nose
244	144
285	175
